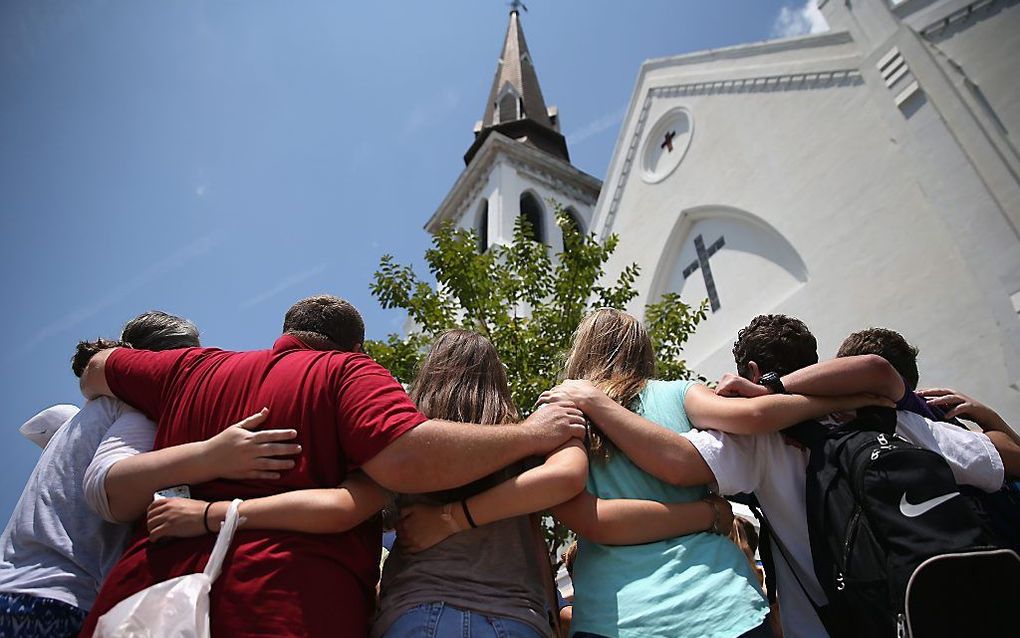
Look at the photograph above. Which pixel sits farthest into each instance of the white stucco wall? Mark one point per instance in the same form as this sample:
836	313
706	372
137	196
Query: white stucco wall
888	213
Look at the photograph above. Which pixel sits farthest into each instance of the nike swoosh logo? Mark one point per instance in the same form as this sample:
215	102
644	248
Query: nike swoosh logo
910	510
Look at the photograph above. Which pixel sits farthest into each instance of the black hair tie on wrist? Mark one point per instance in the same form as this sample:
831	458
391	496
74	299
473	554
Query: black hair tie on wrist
205	517
467	513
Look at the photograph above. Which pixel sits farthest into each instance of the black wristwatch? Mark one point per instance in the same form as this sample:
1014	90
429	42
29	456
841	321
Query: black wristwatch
772	381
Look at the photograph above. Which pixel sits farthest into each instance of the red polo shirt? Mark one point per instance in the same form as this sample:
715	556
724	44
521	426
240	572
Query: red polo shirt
345	407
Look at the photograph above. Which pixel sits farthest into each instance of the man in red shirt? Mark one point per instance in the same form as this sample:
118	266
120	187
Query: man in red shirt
350	413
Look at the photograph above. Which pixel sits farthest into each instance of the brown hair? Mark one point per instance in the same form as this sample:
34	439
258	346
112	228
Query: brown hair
153	330
776	343
462	379
325	322
888	344
612	350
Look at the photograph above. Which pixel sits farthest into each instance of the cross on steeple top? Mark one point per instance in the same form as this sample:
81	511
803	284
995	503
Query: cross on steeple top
516	6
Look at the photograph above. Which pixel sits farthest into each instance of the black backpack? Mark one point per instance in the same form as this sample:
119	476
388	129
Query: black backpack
896	547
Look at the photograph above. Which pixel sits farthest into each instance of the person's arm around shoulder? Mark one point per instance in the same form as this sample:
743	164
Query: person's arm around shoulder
93	378
634	521
1002	436
438	455
313	511
661	452
121	480
768	413
561	477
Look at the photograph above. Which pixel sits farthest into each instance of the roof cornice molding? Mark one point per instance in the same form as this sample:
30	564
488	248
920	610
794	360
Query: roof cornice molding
524	157
829	38
804	80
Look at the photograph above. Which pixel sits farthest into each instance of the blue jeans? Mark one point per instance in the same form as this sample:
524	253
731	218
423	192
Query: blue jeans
439	620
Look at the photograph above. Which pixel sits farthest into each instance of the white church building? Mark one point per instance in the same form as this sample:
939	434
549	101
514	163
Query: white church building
867	176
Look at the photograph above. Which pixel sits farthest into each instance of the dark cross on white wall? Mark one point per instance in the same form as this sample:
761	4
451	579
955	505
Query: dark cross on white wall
667	141
706	268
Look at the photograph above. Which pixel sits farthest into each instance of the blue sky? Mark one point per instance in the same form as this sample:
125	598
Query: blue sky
219	160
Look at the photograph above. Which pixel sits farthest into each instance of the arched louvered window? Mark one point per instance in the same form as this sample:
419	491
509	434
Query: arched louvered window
509	107
482	226
533	213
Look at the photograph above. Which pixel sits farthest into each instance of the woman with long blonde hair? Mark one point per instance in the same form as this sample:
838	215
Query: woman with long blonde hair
695	585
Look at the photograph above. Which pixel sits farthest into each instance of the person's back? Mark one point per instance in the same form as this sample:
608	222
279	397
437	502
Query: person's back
493	570
345	407
695	585
54	547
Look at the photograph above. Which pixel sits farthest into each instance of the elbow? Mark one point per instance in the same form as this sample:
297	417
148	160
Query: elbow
573	481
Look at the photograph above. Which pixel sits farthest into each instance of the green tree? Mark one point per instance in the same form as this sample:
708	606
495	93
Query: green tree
526	301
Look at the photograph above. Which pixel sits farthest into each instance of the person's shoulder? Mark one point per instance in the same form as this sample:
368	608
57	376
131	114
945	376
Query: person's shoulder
664	386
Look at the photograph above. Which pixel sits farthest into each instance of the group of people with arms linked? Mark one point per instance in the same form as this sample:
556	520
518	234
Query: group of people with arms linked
317	438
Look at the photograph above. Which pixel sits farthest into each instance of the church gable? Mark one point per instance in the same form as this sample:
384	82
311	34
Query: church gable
733	258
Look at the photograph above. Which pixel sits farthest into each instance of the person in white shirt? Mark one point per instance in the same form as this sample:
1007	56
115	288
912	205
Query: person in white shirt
56	551
773	468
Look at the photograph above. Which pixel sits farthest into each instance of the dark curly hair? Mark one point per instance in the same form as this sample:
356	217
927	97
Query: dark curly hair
776	343
888	344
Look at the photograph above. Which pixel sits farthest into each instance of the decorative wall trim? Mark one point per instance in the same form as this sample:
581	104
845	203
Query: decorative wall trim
962	18
552	182
764	84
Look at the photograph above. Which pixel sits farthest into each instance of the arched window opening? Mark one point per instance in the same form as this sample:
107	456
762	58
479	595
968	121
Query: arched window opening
509	107
574	219
531	211
482	226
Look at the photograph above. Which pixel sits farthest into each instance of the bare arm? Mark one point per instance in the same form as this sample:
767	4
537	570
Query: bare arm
1002	436
867	373
93	378
1008	450
236	453
439	455
316	511
632	522
561	477
770	413
657	450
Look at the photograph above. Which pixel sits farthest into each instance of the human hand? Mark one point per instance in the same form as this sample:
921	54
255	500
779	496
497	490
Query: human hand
553	424
956	404
731	385
579	393
724	513
421	526
175	518
239	453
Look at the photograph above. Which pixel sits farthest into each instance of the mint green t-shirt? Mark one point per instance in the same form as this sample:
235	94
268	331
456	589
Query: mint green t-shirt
698	585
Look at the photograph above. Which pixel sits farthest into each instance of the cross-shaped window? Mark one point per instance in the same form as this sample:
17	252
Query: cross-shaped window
706	269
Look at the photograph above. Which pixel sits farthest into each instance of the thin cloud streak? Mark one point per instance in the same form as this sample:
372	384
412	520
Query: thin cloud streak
286	284
178	259
596	127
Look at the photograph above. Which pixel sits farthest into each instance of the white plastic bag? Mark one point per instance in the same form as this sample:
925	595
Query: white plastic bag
176	608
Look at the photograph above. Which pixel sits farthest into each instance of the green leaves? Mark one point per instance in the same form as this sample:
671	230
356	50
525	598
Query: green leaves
525	300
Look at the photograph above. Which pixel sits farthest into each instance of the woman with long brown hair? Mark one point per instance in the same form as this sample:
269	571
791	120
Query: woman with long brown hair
486	578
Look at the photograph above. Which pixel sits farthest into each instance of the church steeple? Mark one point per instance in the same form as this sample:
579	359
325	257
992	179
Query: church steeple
515	106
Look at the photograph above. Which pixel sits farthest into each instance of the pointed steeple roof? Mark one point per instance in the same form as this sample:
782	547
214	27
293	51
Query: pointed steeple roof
515	106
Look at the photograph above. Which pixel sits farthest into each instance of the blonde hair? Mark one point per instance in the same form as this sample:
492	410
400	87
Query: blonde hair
612	350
